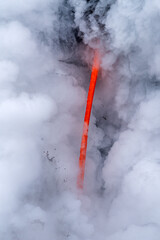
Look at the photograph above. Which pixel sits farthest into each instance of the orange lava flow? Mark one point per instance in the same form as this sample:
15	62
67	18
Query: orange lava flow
83	149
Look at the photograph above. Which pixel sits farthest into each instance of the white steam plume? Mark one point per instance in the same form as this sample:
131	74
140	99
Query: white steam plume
43	85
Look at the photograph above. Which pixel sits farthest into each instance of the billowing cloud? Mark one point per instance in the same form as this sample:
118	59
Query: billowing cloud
46	49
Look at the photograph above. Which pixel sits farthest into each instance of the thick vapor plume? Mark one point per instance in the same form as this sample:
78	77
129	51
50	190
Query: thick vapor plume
46	51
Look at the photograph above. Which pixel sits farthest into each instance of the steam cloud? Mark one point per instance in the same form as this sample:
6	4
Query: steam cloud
46	50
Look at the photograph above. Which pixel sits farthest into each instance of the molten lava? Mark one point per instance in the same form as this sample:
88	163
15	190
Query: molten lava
83	149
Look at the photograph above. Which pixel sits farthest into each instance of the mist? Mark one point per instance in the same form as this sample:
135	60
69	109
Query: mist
46	50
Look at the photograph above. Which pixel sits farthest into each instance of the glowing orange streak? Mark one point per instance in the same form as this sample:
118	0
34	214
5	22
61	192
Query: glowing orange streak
83	149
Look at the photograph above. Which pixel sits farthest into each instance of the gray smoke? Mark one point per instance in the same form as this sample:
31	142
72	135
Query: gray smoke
46	53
